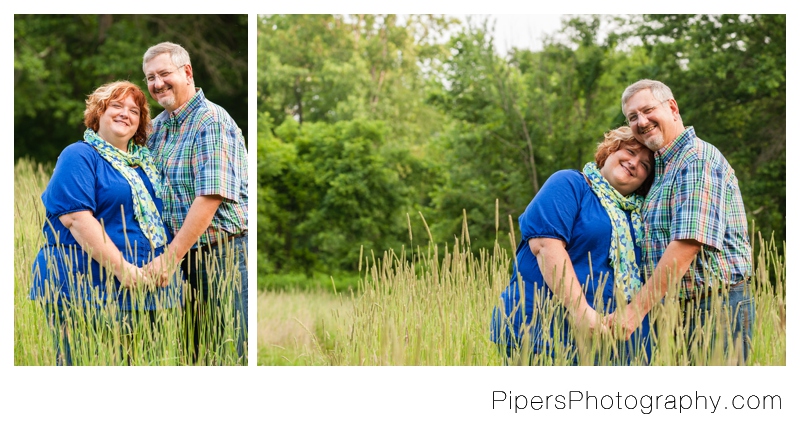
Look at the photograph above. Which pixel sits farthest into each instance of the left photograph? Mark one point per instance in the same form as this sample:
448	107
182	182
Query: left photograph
130	190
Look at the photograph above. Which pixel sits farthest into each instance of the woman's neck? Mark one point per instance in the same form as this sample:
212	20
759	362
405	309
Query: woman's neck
118	142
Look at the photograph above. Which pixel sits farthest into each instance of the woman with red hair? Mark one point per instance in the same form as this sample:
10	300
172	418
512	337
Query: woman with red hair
103	222
578	257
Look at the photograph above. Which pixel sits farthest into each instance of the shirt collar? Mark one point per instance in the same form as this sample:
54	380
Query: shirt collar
676	146
180	114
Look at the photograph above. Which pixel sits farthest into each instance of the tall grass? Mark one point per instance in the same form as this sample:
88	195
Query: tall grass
106	335
291	323
432	306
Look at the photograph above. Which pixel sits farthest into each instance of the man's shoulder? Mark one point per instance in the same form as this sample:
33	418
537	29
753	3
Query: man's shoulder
209	111
706	148
708	153
701	158
697	150
159	119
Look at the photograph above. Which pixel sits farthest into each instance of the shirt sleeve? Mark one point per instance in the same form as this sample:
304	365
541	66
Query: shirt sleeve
553	210
72	186
698	209
216	171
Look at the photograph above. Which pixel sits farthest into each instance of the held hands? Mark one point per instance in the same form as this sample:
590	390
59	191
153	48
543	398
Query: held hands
157	273
161	269
623	322
587	319
131	276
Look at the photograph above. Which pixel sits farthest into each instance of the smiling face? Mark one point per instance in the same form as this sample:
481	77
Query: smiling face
627	168
119	122
654	123
169	84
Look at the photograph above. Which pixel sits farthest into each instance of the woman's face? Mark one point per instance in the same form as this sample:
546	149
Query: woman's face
119	122
627	168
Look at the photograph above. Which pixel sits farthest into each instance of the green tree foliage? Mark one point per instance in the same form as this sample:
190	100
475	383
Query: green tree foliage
366	118
327	188
60	59
345	126
333	68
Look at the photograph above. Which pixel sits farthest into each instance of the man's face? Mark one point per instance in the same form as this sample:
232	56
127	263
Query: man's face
654	123
169	84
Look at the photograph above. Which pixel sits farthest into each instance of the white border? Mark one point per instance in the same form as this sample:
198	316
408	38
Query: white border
364	398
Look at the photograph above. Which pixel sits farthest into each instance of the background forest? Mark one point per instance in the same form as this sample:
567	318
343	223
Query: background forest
367	124
60	59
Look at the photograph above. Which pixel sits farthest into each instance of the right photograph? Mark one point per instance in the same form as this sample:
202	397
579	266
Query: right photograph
532	190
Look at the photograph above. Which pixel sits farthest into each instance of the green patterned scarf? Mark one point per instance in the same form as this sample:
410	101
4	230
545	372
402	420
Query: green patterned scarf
144	208
623	256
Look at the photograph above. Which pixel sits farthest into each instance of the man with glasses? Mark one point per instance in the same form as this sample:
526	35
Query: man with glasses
695	224
202	157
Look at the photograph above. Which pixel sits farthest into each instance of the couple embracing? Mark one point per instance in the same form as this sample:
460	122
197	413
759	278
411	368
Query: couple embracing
138	209
600	248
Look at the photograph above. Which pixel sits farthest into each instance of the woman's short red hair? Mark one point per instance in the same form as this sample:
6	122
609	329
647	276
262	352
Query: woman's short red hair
98	101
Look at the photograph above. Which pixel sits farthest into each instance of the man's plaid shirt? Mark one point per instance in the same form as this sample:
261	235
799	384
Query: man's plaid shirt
200	151
695	195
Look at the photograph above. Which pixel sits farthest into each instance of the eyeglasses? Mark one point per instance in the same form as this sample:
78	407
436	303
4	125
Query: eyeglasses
163	75
634	117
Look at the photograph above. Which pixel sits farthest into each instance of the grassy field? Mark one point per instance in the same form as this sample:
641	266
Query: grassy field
100	336
433	307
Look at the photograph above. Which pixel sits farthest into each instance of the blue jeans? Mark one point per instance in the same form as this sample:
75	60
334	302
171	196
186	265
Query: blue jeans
735	326
215	274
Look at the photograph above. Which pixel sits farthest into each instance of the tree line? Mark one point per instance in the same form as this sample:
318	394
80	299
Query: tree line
369	123
60	59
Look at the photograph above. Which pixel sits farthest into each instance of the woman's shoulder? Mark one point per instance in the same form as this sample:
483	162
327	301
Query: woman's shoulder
78	149
568	178
77	160
562	186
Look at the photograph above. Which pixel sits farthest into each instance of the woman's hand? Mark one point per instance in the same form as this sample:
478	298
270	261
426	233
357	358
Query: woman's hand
589	330
131	276
588	320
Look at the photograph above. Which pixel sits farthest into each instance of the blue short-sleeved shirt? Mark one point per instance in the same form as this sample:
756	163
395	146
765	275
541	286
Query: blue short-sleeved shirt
567	209
83	180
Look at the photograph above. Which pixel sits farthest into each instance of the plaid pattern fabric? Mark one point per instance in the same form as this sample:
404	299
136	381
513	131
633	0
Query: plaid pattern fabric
696	196
200	151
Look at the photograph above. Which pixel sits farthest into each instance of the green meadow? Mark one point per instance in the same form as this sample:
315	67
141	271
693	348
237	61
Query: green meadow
432	306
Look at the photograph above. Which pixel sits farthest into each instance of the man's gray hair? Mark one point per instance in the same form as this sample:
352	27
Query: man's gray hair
659	90
176	52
